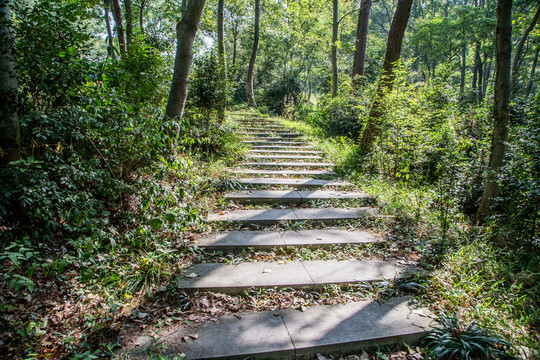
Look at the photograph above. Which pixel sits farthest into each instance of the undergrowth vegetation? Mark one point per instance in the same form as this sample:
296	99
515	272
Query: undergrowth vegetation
96	215
426	172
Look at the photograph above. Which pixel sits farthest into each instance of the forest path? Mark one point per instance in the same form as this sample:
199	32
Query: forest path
295	201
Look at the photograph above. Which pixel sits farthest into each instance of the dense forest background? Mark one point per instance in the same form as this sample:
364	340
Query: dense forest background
102	182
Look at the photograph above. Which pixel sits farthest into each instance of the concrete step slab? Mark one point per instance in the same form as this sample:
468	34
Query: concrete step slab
236	240
291	196
332	215
275	216
285	152
287	164
290	333
284	157
261	217
234	279
276	143
315	238
298	183
282	134
285	172
354	326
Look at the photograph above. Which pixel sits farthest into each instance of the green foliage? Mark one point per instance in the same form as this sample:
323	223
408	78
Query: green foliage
453	340
282	92
52	45
341	116
208	86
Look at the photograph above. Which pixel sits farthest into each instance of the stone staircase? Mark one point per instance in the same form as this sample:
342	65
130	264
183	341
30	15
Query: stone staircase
287	172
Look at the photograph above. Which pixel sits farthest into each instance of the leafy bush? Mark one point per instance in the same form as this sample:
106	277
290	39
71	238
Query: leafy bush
283	92
341	116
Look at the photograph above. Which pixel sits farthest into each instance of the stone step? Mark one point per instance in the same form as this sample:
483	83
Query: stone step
286	152
236	278
299	183
285	172
287	164
288	157
291	196
281	147
282	134
287	144
275	216
290	333
236	240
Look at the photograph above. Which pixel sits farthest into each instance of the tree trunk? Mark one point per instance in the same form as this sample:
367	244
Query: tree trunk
487	74
393	52
533	70
251	69
129	21
110	48
10	148
361	38
186	30
221	54
476	62
333	56
463	68
503	62
117	14
519	48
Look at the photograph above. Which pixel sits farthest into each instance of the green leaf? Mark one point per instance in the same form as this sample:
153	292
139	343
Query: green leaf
156	223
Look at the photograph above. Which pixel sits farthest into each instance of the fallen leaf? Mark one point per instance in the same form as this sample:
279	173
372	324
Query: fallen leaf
221	213
267	271
185	338
192	275
194	336
321	357
281	262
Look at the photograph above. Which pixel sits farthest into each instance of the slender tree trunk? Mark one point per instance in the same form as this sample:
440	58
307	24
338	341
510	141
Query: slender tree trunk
487	74
235	41
519	48
393	52
110	48
186	30
361	38
533	70
480	80
463	68
251	69
117	14
141	16
129	21
333	56
10	148
221	54
503	62
476	65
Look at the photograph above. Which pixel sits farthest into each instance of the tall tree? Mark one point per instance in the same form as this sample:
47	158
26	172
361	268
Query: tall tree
251	69
186	30
361	38
221	51
110	47
129	21
533	69
519	47
9	120
333	55
393	53
117	14
503	60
